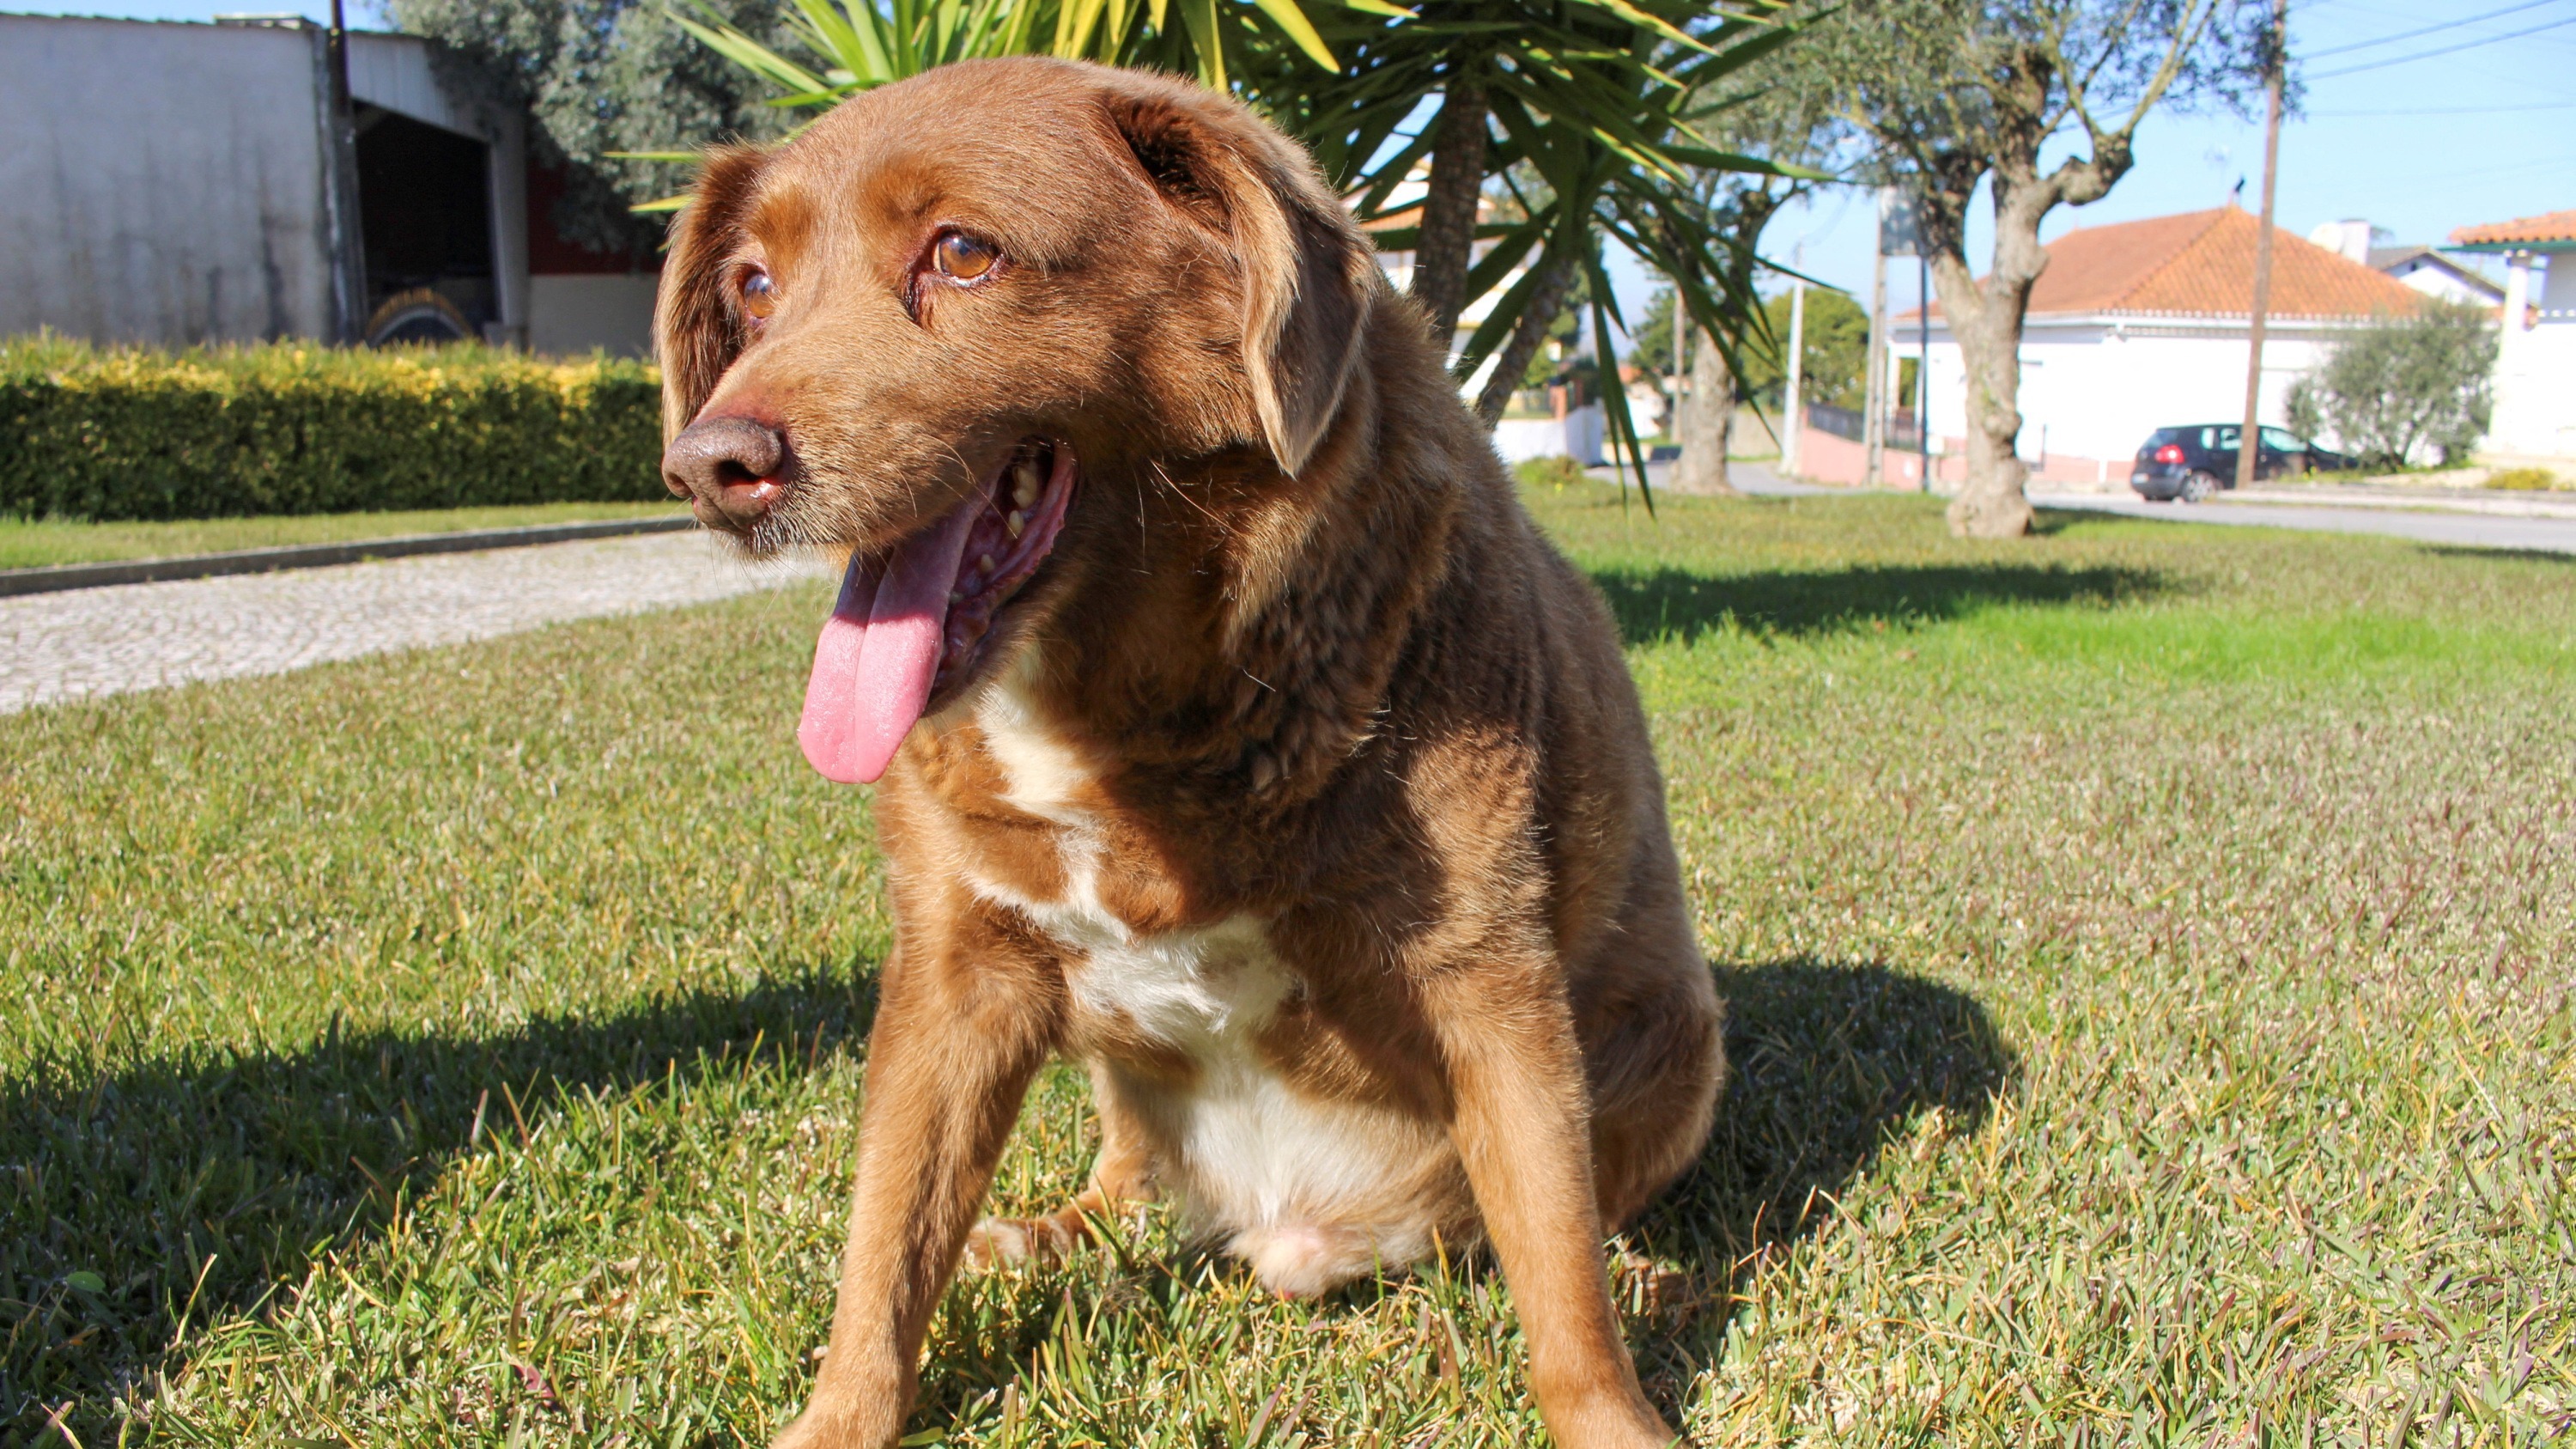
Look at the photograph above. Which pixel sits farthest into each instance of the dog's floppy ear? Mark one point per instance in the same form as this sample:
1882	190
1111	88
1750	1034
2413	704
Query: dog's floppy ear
695	333
1305	267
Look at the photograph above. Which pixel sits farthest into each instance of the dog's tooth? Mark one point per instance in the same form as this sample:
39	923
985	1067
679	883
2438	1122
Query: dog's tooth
1024	484
955	597
984	563
1016	522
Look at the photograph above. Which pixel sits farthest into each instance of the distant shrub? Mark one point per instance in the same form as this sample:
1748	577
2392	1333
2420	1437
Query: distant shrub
2402	385
141	433
2523	480
1557	472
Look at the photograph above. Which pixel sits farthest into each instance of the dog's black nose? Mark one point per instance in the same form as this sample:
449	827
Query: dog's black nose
730	465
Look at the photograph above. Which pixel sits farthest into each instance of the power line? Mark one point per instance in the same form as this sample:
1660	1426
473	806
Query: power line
2450	110
2427	30
2445	50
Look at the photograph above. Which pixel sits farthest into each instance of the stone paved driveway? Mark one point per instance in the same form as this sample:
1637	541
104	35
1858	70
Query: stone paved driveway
140	636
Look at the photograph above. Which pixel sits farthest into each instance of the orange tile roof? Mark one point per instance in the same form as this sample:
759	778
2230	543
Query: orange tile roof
1395	220
2549	226
1486	213
2201	264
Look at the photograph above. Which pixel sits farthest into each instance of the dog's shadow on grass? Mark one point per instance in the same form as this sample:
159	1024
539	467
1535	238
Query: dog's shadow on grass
1828	1066
1671	604
116	1191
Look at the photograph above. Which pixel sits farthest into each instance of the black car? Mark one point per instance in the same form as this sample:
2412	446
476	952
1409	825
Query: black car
2192	463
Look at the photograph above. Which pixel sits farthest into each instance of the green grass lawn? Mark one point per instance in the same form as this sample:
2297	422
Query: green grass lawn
33	543
2150	952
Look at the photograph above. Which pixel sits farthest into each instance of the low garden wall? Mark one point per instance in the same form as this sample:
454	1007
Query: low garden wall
143	434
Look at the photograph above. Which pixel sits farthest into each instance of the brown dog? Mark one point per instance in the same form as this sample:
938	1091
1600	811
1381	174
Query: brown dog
1240	734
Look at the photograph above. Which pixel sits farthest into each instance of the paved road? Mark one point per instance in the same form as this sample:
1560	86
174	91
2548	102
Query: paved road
141	636
2458	530
1754	478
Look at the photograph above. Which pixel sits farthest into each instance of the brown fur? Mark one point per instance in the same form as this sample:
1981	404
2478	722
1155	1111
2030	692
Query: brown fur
1300	681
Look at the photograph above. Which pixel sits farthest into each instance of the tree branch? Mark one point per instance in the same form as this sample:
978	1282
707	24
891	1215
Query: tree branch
1556	278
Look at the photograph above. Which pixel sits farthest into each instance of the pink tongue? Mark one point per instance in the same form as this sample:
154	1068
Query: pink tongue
879	653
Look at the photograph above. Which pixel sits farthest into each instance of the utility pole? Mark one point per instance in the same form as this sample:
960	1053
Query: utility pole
1793	411
1874	388
2276	47
1923	367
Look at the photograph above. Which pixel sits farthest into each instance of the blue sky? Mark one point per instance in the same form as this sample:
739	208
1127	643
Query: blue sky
2421	146
2417	143
360	14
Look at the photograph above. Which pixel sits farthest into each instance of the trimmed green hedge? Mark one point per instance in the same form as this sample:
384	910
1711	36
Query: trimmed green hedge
139	433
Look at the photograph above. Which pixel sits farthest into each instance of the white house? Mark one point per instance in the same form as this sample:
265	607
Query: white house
2535	376
2417	265
2144	324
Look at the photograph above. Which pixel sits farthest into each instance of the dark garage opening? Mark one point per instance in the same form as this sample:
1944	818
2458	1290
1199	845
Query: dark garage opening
425	218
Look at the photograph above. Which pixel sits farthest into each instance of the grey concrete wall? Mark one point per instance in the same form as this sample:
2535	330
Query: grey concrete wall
162	182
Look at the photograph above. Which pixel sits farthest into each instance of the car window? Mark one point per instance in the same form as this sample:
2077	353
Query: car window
2226	437
2278	438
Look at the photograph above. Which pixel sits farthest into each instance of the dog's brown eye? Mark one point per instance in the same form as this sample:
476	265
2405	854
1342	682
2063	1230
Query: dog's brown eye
963	257
759	295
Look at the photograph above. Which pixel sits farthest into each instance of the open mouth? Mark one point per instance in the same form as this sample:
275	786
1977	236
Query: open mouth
913	620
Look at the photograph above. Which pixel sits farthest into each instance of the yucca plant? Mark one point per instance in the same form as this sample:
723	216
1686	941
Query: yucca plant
1583	112
1578	110
863	45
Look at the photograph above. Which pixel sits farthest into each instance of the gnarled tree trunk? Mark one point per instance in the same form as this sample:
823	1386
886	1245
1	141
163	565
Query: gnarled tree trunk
1447	245
1986	317
1702	417
1986	321
1556	278
1992	503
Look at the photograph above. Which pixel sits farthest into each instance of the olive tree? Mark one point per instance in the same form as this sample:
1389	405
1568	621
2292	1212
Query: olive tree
2403	385
1954	94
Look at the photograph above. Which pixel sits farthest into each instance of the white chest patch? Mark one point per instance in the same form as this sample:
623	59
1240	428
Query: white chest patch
1311	1192
1043	774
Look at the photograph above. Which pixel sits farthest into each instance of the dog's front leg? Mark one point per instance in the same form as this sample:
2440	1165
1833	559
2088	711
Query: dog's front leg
949	1063
1520	1116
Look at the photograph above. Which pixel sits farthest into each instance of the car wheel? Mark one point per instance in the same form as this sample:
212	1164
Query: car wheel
2197	487
419	317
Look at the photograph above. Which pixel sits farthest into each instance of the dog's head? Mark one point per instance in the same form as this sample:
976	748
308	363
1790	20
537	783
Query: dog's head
914	330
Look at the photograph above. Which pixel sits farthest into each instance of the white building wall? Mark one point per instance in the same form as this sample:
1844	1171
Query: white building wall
2535	382
1577	435
162	182
2096	389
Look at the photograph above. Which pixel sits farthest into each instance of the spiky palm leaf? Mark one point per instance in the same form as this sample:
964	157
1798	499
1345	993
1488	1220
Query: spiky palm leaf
1592	99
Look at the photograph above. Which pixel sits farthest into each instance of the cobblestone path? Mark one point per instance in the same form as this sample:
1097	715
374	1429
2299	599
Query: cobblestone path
141	636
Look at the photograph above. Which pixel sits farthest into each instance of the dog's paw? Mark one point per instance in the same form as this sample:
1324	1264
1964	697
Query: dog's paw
1646	1288
996	1241
819	1428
